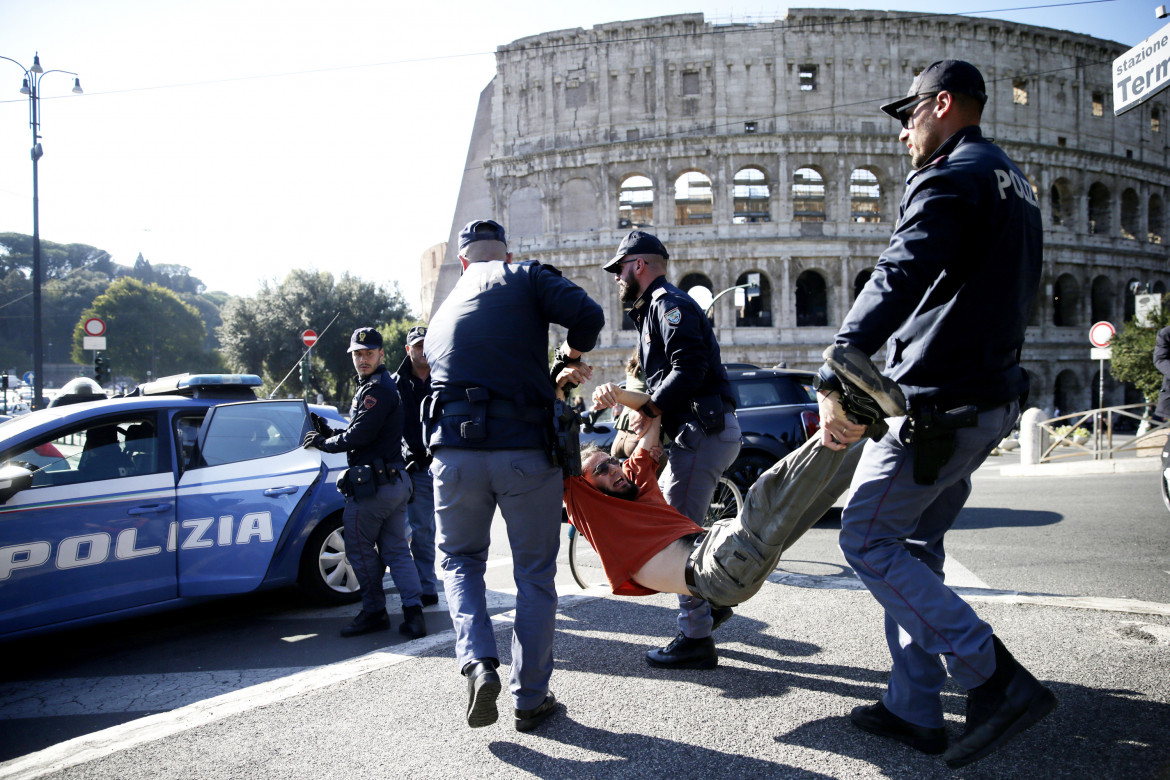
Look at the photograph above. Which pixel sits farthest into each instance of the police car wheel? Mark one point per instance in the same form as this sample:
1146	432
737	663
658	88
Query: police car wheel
325	573
747	468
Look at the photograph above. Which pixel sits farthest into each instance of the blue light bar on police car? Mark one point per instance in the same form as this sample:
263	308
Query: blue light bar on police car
181	383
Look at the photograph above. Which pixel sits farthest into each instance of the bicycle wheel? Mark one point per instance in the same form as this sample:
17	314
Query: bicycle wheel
584	562
726	502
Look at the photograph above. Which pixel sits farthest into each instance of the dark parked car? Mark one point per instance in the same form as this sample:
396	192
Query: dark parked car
777	412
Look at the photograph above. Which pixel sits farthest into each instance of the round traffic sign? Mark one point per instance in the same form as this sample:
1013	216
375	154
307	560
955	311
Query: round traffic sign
94	326
309	337
1101	334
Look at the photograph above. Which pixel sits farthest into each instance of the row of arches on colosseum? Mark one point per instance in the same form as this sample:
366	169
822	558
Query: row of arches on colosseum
1091	207
1063	389
811	299
751	196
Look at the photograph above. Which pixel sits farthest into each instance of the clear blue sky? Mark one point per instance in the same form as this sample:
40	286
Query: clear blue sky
244	138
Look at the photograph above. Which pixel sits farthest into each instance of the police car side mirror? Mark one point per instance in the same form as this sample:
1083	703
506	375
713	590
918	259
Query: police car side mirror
14	477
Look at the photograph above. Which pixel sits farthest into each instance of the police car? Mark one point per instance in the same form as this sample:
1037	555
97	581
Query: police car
186	490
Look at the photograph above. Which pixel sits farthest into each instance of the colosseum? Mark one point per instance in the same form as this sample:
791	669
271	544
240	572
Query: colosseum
758	149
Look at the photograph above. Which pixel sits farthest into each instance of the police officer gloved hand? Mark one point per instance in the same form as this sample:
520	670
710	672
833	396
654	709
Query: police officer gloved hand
314	440
320	425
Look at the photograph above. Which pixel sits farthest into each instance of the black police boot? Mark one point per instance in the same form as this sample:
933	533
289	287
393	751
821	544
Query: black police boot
366	623
483	688
430	599
868	395
413	624
685	653
876	719
1010	701
527	720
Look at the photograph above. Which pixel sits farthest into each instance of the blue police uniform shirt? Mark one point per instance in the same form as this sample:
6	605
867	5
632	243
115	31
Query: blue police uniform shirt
375	423
412	391
680	356
492	332
953	291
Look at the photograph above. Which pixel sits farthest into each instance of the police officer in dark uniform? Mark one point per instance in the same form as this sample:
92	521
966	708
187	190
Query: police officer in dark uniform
488	423
413	378
689	388
376	491
950	300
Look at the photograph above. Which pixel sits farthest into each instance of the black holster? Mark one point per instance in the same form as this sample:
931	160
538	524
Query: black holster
566	439
708	410
358	482
931	432
475	429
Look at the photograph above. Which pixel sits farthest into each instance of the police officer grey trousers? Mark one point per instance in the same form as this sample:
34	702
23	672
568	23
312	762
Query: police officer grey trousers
528	490
737	555
420	515
375	536
696	461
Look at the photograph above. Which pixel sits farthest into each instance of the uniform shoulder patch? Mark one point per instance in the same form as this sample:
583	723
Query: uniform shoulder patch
674	316
369	402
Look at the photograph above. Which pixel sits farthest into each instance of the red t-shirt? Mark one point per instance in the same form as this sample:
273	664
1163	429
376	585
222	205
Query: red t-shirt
626	533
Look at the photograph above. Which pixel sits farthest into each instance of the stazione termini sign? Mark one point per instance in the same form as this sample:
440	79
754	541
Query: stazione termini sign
1141	72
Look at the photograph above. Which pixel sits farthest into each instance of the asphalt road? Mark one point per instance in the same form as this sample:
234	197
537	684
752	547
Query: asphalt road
1105	536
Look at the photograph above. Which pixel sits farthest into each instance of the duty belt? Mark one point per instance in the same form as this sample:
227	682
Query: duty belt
495	408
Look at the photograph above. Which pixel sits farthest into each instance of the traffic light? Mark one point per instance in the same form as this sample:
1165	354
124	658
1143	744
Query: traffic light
306	373
101	369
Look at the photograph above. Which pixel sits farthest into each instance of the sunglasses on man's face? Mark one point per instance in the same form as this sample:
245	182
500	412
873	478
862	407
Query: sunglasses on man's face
908	110
601	469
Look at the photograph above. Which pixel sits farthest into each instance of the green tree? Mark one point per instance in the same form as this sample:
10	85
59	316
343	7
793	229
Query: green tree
149	331
57	260
261	335
63	302
1133	353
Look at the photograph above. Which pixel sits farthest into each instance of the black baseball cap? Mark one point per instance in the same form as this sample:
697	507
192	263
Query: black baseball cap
481	230
638	242
954	76
365	338
415	335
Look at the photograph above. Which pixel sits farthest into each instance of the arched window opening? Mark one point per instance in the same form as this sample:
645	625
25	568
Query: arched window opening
865	196
1067	393
808	196
1098	209
1102	299
1156	220
1128	297
812	301
1129	215
700	288
635	203
751	196
1061	202
753	312
1065	301
692	199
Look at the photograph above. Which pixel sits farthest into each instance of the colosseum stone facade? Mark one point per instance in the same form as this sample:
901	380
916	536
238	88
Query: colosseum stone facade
759	149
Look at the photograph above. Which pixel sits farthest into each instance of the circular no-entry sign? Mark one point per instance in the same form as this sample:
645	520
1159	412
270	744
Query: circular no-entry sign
1101	334
94	326
309	337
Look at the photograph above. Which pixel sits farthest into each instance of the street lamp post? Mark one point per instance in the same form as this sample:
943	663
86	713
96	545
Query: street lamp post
32	87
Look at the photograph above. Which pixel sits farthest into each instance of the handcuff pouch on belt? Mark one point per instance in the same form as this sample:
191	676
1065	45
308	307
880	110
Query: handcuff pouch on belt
361	482
566	439
709	412
932	432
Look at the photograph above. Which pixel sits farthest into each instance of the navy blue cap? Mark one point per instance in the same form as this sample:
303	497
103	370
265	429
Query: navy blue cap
415	335
954	76
365	338
638	242
481	230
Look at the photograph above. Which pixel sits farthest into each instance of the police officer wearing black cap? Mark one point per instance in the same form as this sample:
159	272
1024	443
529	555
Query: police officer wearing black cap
413	378
489	425
376	491
950	300
689	389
